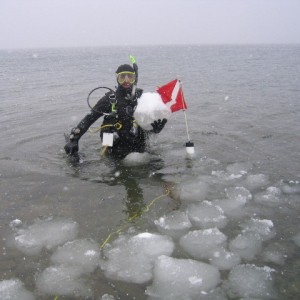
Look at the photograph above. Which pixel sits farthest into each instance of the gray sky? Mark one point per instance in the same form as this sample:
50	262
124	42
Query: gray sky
64	23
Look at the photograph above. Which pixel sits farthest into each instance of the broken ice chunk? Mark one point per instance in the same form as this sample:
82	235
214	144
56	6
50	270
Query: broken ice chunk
202	244
182	278
206	215
175	224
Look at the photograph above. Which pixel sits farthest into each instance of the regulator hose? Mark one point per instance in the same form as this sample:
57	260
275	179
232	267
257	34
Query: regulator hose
112	96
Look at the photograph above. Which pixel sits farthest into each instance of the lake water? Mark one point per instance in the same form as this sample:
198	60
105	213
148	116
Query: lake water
222	224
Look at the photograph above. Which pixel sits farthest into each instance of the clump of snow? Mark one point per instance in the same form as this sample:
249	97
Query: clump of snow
47	234
206	215
82	253
174	224
201	244
63	281
270	197
250	281
131	259
136	159
182	278
150	108
14	289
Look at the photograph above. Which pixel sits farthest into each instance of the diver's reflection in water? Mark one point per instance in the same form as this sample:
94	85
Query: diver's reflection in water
135	199
114	173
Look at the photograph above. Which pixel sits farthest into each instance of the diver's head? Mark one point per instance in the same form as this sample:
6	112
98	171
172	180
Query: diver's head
126	76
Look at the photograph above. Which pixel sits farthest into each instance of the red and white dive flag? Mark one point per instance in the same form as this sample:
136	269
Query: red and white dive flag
172	95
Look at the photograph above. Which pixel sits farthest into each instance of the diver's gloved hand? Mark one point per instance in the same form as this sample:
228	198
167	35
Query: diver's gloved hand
158	125
71	147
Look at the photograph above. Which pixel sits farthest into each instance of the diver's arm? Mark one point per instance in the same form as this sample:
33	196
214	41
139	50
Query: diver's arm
84	125
97	112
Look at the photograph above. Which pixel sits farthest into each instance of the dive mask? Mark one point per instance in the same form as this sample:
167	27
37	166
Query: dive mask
126	76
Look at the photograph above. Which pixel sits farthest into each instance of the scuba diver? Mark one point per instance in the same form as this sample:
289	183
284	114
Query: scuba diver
119	126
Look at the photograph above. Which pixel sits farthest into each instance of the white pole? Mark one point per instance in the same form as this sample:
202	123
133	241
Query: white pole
186	125
189	145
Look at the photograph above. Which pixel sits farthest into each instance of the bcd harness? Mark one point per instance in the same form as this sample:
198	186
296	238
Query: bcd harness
113	122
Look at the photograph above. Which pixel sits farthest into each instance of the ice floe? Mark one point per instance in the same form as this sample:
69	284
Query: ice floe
250	281
246	245
15	223
182	278
71	261
64	280
131	259
82	253
275	253
107	297
256	181
233	172
206	215
290	187
224	260
193	191
261	228
13	289
270	197
136	159
219	236
174	224
201	244
240	168
47	234
239	194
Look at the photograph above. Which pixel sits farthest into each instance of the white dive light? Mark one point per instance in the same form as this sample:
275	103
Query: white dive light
189	146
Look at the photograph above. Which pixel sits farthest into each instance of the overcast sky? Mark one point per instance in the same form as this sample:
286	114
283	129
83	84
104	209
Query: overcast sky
73	23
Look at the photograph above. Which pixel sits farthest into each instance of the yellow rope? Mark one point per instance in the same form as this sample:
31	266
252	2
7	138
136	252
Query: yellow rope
95	130
117	125
103	150
147	207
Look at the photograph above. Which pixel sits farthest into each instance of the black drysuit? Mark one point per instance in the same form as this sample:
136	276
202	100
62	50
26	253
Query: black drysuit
118	119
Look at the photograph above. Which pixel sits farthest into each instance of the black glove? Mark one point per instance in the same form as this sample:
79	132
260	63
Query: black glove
158	125
71	147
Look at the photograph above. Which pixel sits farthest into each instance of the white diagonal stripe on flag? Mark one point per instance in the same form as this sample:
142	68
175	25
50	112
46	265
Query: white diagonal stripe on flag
174	94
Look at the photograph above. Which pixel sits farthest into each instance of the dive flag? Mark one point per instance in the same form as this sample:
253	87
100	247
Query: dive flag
172	95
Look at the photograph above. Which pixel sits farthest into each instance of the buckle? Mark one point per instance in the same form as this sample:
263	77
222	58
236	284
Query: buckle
118	125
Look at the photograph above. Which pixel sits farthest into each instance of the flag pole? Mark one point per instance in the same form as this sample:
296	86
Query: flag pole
189	145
